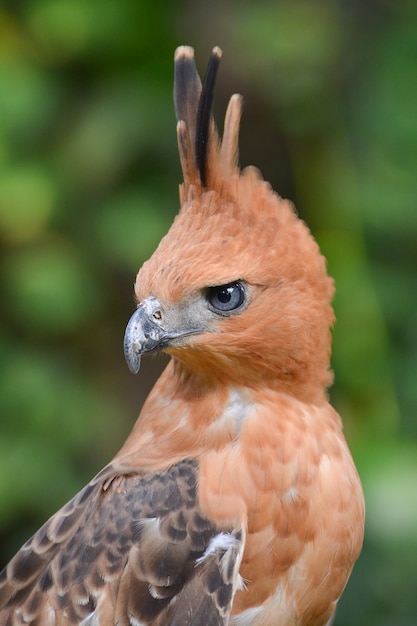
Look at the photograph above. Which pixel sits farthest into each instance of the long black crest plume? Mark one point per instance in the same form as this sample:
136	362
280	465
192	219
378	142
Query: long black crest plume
204	113
187	90
193	107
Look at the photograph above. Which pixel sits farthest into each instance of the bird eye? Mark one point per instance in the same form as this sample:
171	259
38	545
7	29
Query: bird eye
226	298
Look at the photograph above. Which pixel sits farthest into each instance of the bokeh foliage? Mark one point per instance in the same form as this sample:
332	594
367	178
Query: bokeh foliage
88	185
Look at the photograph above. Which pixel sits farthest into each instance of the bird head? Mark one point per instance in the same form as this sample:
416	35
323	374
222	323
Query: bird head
237	291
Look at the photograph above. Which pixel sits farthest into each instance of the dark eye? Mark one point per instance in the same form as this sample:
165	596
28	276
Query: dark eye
226	298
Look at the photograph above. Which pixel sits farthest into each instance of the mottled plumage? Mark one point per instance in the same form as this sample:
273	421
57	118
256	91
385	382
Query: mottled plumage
234	499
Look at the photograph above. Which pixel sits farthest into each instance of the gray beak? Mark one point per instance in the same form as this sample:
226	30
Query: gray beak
144	332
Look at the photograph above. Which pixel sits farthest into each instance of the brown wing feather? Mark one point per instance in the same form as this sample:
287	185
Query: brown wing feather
208	599
120	551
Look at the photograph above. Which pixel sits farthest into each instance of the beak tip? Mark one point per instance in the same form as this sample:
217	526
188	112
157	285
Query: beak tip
134	364
132	354
132	358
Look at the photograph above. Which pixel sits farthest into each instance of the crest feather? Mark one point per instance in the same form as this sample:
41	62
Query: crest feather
204	161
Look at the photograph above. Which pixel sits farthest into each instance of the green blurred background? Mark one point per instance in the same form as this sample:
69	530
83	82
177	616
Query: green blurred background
88	185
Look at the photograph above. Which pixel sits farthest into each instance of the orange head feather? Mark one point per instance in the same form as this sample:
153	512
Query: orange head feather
232	228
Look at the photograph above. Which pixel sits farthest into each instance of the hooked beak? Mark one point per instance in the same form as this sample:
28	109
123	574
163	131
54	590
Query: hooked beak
148	330
143	332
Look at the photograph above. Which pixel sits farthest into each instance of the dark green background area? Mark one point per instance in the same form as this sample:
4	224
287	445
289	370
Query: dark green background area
89	175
